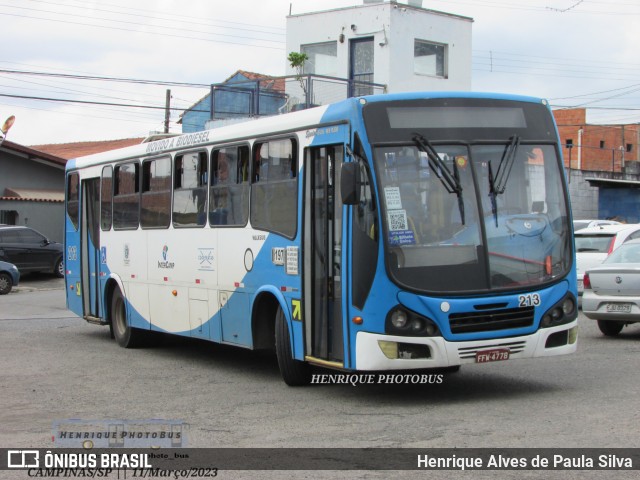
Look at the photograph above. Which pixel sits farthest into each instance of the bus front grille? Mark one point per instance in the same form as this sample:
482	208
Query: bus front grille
490	320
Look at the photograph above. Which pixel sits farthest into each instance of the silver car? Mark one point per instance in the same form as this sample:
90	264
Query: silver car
612	290
593	244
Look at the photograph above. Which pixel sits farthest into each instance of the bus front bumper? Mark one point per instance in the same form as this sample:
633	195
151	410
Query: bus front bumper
387	352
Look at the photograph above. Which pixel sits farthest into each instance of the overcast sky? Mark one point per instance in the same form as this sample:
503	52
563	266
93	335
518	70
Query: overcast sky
572	52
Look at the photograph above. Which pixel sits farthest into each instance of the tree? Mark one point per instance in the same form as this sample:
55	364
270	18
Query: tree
297	60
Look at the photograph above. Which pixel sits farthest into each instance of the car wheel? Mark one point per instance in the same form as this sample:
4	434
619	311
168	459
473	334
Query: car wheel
294	372
58	270
126	336
6	284
609	327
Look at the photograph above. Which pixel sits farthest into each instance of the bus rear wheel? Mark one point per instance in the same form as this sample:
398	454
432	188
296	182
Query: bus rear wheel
294	372
126	336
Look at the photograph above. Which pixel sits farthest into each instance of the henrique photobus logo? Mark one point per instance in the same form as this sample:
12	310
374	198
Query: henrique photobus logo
23	458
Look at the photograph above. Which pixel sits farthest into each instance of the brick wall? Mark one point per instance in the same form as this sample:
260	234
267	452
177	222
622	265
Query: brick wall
596	147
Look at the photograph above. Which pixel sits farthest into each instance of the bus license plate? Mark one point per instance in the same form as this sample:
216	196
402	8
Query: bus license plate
496	355
619	307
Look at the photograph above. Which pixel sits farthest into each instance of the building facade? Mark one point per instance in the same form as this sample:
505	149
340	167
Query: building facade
403	46
32	189
241	95
603	166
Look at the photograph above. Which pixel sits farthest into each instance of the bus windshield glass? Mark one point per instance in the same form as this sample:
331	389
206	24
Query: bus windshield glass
471	215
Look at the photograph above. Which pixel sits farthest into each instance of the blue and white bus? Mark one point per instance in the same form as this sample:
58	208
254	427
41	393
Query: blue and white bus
393	232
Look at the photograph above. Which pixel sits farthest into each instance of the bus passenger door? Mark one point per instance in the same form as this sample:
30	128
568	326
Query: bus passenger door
323	254
90	247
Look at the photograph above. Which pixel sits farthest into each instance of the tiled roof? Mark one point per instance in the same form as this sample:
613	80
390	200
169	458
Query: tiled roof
268	82
80	149
30	152
33	195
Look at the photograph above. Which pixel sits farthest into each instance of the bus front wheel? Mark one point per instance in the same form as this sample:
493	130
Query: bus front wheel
126	336
294	373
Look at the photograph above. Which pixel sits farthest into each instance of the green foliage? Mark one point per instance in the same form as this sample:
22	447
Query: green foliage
296	60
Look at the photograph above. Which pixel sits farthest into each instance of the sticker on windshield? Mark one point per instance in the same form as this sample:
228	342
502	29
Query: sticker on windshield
392	197
397	220
402	237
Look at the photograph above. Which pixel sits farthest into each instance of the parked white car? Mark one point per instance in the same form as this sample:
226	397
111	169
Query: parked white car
593	244
581	224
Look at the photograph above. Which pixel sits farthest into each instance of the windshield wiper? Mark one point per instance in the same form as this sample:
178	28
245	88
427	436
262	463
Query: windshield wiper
450	180
498	184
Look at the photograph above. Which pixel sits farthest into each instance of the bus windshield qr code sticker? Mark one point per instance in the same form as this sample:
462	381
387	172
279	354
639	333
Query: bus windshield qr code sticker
397	220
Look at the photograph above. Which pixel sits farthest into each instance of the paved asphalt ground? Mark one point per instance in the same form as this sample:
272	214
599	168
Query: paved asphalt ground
56	366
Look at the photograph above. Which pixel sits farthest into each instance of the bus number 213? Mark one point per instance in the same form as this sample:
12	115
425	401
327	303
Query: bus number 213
529	300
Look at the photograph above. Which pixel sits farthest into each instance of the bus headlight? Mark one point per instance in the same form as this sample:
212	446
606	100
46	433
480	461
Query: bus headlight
401	321
564	311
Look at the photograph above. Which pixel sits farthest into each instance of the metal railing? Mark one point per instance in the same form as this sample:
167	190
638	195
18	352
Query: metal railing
277	95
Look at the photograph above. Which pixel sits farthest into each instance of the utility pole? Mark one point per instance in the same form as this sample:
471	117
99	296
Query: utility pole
167	111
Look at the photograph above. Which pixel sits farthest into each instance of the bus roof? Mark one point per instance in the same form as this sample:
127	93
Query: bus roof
327	114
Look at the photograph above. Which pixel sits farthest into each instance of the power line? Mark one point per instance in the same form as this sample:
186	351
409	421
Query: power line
88	102
144	32
173	27
172	18
107	79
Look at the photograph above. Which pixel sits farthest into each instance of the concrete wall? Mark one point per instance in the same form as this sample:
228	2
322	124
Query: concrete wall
606	200
584	197
408	24
45	217
17	171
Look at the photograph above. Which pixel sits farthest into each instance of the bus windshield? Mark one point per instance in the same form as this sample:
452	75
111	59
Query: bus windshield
460	217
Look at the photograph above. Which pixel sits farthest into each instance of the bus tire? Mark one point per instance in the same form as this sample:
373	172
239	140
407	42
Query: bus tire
294	372
126	336
610	328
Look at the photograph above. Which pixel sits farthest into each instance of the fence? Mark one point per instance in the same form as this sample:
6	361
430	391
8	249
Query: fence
277	95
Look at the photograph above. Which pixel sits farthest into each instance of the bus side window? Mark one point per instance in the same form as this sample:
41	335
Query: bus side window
155	207
73	199
126	198
106	198
274	193
365	234
229	193
190	189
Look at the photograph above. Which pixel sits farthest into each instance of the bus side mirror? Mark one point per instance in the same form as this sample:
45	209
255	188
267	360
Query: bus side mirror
350	183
